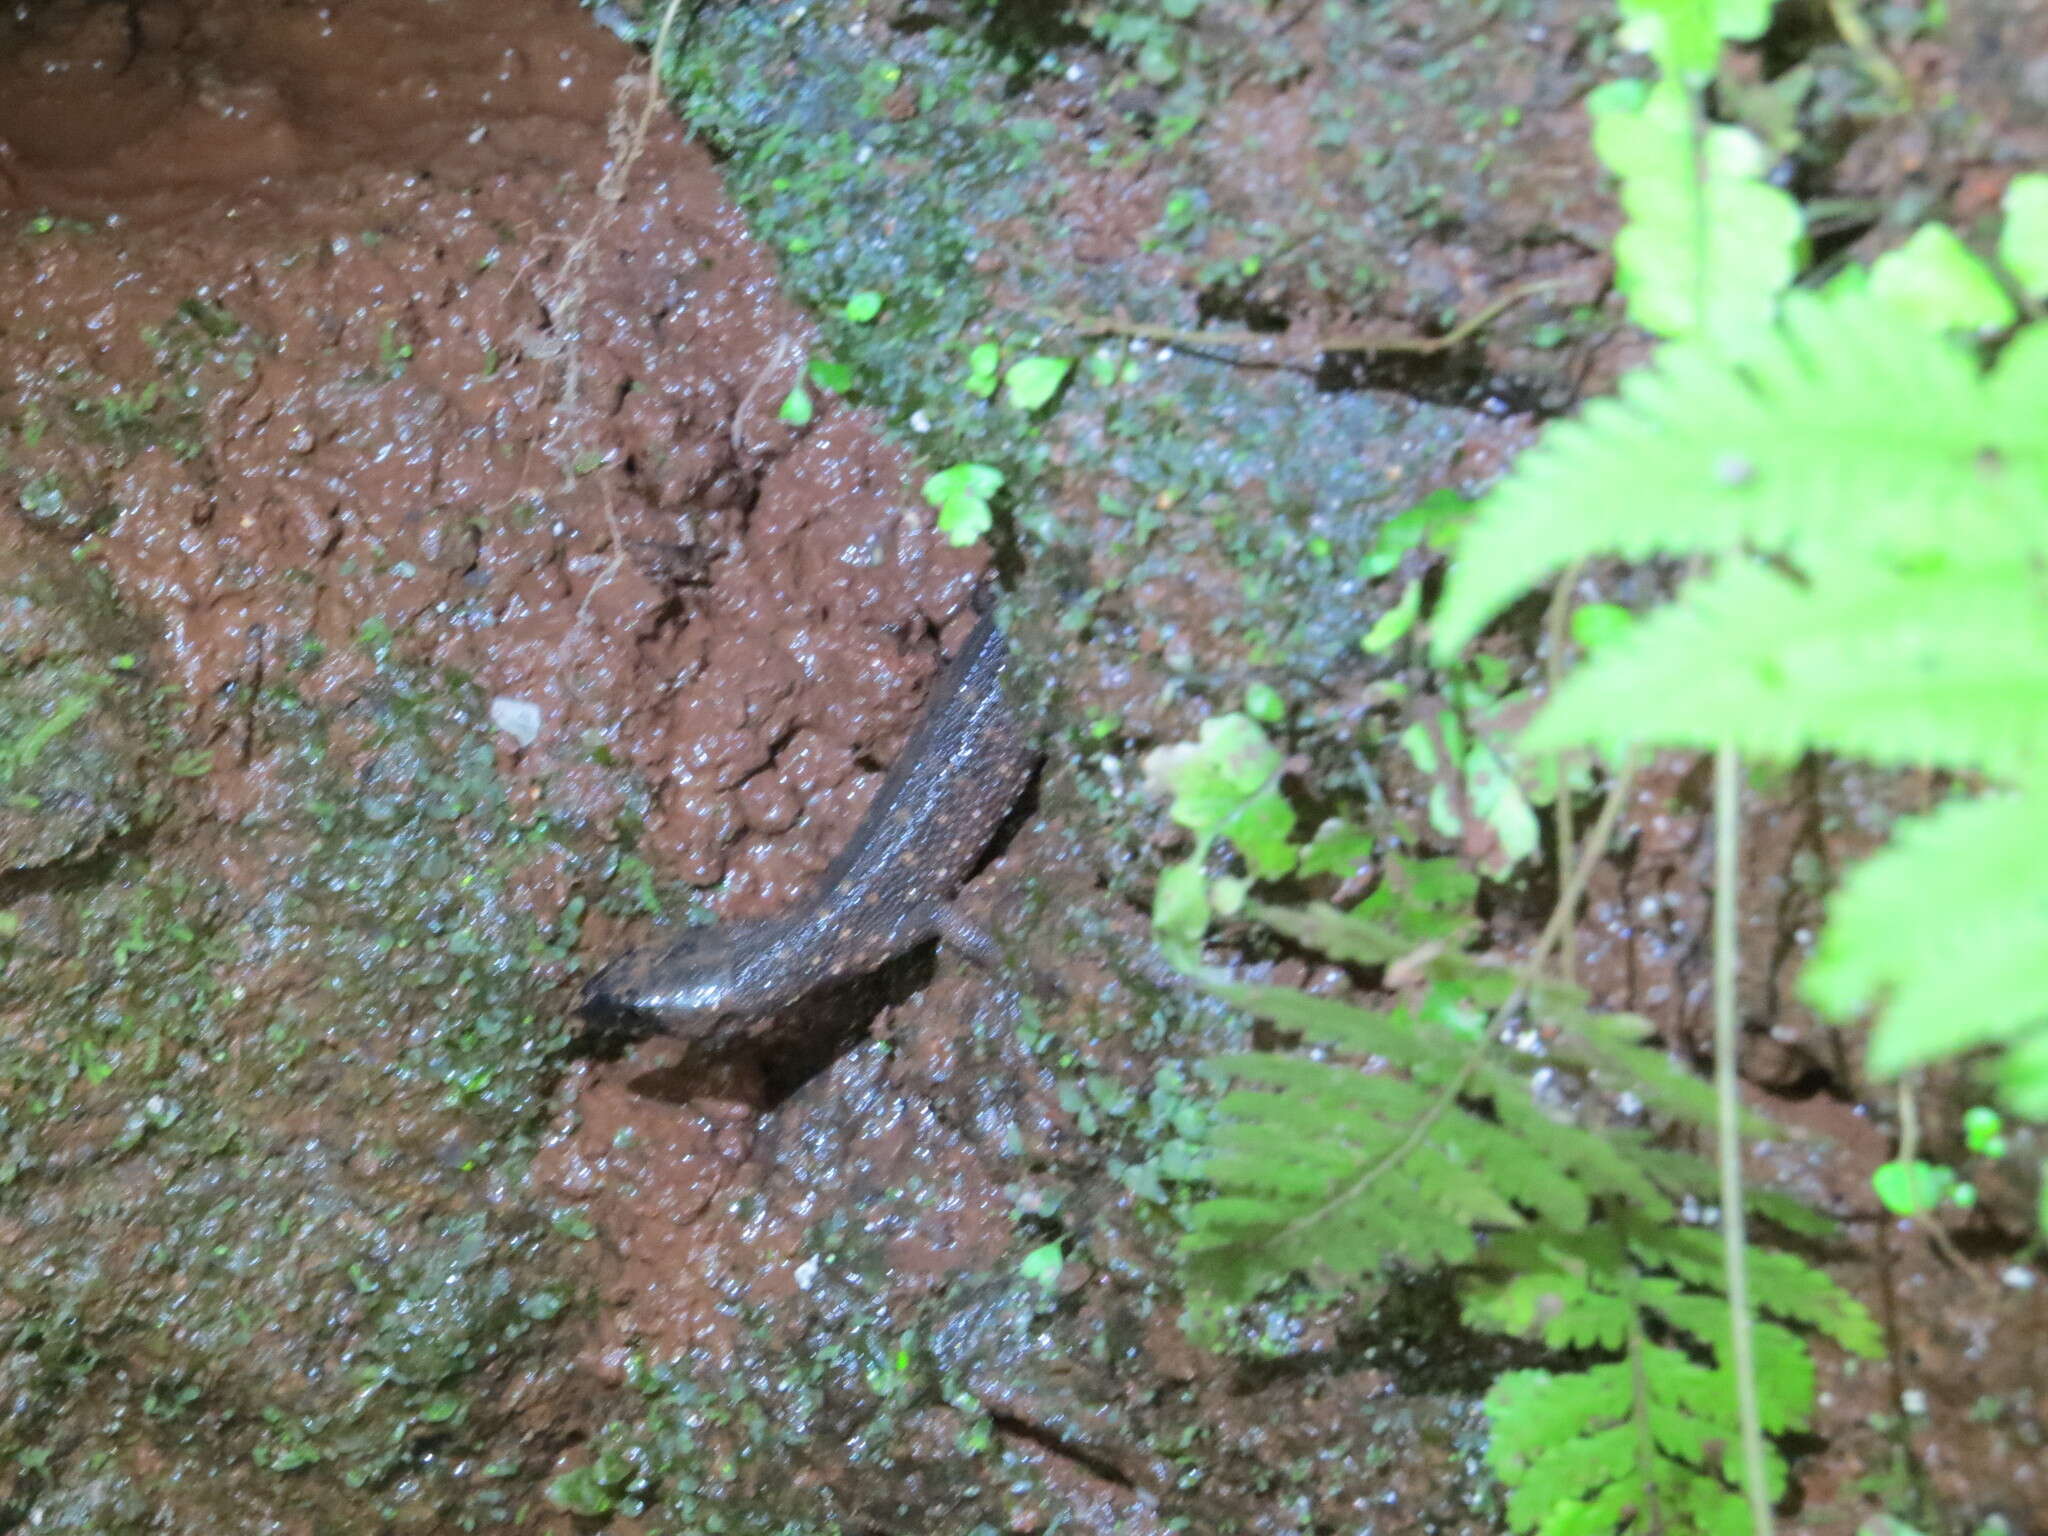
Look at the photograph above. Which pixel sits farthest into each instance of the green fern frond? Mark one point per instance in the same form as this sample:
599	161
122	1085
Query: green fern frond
1898	492
1646	1434
1553	1273
1847	429
1337	1173
1613	1050
1577	1460
1427	1131
1684	36
1940	926
1608	1048
1708	242
1683	1173
1346	936
1943	660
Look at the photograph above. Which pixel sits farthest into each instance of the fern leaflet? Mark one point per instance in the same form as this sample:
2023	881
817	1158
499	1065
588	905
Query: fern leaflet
1932	925
1940	660
1708	243
1847	430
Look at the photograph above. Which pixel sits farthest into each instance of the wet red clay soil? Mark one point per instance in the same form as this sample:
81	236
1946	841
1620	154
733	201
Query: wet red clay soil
416	442
522	418
529	429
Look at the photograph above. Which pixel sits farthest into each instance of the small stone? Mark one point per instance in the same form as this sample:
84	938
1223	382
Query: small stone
517	718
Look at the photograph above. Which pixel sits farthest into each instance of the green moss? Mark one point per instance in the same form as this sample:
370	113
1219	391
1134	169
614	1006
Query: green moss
267	1134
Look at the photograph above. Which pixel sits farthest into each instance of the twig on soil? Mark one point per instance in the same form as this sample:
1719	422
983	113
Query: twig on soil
1576	876
1203	342
1556	620
788	350
613	566
1855	31
626	138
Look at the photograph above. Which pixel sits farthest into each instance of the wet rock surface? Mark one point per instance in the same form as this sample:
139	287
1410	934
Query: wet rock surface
73	711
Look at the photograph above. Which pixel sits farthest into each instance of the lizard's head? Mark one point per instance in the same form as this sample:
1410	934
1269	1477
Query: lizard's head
699	984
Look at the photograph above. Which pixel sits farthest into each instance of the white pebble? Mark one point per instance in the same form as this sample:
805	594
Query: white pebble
517	718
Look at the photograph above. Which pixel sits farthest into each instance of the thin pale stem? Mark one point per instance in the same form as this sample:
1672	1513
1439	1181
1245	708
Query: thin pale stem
1734	1235
1855	31
1556	623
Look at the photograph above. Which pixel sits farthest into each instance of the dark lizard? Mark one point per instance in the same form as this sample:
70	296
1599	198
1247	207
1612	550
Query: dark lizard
951	787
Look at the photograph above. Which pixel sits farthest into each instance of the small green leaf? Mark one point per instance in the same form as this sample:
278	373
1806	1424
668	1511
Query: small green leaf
542	1306
1600	624
1180	903
1263	703
1984	1130
580	1492
1432	523
982	480
1042	1266
962	494
1497	800
1914	1188
1338	848
964	519
1226	784
796	409
862	307
1157	61
1388	630
1033	381
836	377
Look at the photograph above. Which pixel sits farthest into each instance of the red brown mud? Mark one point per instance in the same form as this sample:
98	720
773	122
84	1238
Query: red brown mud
421	439
507	396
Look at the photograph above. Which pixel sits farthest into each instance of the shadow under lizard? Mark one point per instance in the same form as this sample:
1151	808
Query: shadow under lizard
957	778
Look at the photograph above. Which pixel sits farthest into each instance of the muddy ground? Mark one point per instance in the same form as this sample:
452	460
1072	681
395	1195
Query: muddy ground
407	535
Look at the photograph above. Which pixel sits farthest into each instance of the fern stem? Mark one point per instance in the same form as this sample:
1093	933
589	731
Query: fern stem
1929	1220
1734	1235
1855	31
1352	1188
1560	922
1595	849
1555	620
1639	1414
